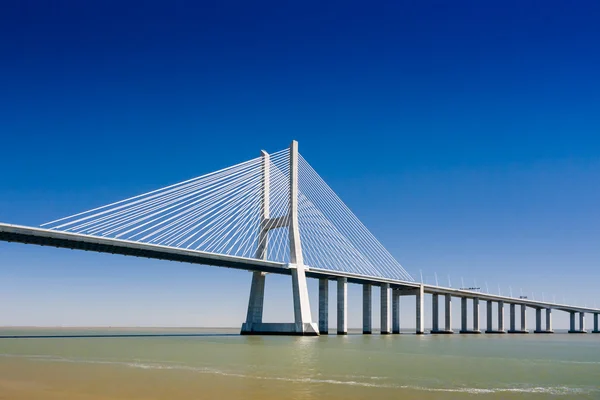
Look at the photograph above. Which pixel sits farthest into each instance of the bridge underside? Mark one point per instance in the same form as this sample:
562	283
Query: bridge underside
44	237
49	238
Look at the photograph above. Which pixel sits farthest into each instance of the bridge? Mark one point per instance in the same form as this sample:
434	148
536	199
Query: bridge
275	215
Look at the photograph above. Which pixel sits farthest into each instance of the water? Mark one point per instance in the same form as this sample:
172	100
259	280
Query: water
219	364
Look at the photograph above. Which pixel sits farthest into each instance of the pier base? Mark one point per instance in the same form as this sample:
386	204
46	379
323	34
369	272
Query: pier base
495	332
471	332
442	332
303	325
543	331
280	328
517	331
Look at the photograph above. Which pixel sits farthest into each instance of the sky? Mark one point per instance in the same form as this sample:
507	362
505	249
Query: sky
464	134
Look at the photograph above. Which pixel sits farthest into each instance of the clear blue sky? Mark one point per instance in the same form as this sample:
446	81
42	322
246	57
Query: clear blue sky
465	135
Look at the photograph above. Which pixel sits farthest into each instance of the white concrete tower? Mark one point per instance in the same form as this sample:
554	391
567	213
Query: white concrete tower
302	324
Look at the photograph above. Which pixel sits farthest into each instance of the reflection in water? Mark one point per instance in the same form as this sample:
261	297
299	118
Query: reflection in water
305	365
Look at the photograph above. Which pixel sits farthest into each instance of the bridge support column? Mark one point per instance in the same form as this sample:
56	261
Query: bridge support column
435	315
448	316
302	318
596	330
367	309
524	318
500	317
420	305
513	319
342	306
463	314
323	306
255	303
572	322
549	320
385	308
476	315
395	311
302	324
538	321
490	327
572	328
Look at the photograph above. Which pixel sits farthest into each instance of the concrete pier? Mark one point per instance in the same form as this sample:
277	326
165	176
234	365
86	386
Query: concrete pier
500	316
476	315
254	315
323	306
367	309
596	324
420	311
549	320
463	314
572	322
447	316
572	328
395	311
435	314
538	321
524	318
513	319
489	328
448	313
385	308
302	325
464	326
342	306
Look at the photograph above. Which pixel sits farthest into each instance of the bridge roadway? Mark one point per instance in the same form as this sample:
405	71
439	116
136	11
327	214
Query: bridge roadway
46	237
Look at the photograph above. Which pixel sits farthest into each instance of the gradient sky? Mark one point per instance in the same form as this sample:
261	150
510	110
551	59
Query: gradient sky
464	134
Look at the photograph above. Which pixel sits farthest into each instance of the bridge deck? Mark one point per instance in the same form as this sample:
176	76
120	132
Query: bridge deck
46	237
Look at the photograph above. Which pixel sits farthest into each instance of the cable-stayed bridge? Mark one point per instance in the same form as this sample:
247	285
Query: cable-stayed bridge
275	214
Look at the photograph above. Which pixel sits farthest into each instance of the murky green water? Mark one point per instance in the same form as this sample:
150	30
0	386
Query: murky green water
221	364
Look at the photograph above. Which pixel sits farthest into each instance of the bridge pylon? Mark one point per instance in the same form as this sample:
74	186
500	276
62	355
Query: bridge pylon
303	324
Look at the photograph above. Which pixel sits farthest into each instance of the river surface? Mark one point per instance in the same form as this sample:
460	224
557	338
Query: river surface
220	364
